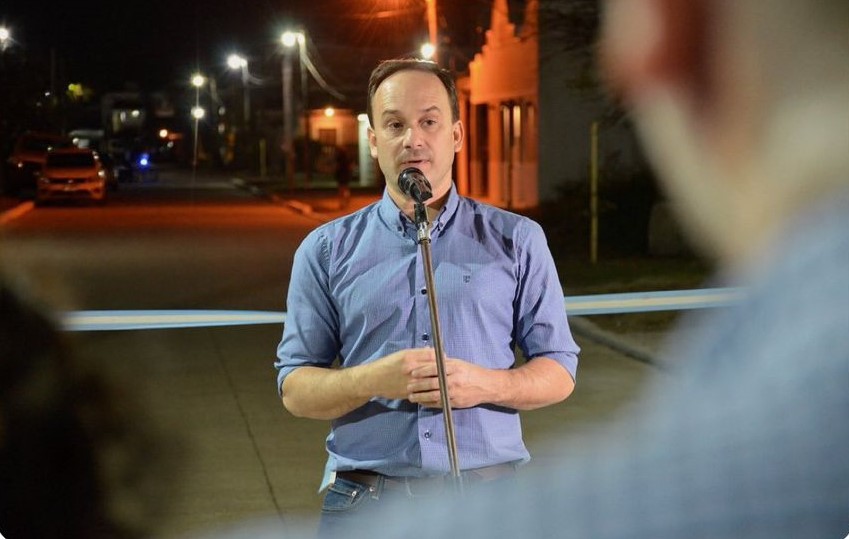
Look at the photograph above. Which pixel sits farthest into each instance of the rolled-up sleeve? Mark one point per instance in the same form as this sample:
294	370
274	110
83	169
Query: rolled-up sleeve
542	327
310	332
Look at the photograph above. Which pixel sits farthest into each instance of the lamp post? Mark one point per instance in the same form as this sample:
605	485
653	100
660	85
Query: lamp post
431	31
235	61
198	80
289	40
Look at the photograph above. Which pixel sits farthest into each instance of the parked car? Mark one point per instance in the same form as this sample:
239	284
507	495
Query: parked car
27	158
71	173
111	170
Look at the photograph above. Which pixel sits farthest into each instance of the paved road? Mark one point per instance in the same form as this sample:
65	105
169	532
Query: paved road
212	389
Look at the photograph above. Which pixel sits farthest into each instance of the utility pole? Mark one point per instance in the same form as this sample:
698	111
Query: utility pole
288	128
431	21
305	98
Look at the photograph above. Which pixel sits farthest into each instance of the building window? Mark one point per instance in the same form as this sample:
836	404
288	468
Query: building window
327	137
480	181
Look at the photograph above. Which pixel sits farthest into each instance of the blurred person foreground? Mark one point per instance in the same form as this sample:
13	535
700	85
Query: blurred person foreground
77	459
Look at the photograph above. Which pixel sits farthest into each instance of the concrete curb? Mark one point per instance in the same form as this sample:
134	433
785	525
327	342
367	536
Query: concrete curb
296	205
584	327
16	211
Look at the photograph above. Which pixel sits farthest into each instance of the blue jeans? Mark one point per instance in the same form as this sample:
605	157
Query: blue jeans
349	505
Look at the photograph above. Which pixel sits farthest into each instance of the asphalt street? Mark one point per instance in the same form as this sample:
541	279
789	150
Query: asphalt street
240	455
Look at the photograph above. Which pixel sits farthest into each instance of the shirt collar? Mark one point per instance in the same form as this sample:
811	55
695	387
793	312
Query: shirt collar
392	215
447	211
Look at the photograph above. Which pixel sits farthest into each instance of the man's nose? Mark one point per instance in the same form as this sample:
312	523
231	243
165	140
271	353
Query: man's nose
412	137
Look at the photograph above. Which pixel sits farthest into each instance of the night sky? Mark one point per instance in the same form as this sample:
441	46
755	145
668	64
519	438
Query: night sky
158	43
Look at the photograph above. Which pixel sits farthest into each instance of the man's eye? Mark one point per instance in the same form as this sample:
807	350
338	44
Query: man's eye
394	126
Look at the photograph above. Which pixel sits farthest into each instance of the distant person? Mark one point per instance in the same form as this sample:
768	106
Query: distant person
358	296
342	174
744	108
76	460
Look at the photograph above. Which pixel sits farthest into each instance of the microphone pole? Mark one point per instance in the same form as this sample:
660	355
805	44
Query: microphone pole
414	184
423	227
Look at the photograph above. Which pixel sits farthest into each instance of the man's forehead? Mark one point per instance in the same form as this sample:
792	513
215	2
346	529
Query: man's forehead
408	91
433	109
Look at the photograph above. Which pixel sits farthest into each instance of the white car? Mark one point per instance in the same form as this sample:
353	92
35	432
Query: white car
71	173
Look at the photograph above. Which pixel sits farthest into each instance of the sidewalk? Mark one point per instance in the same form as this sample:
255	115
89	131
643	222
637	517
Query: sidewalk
13	207
318	199
7	202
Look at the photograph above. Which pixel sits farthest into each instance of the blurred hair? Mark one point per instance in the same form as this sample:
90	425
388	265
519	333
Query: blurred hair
74	458
796	39
798	51
387	68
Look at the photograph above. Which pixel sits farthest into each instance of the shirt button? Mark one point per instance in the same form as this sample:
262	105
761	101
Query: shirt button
427	434
423	291
400	228
425	336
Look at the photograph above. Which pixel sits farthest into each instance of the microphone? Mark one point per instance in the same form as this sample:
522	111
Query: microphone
413	183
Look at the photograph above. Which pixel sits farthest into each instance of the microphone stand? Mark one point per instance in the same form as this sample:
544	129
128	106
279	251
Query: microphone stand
423	227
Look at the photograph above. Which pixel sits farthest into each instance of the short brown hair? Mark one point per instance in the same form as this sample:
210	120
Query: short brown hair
387	68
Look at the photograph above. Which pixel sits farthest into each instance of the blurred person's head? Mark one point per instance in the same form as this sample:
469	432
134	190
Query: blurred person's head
414	122
76	458
743	106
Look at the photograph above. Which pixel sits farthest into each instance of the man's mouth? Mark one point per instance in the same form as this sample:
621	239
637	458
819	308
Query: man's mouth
413	163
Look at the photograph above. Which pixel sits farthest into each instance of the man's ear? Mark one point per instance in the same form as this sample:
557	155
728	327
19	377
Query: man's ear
655	42
458	133
372	143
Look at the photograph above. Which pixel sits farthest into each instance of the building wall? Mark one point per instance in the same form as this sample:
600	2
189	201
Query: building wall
343	122
499	161
527	70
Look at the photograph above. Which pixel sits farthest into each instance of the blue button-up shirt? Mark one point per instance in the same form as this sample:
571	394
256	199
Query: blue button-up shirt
358	292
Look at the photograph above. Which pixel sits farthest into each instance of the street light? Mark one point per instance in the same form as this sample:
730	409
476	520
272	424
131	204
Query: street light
198	80
289	40
428	50
5	37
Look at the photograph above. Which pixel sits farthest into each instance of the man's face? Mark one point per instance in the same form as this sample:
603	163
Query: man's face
413	128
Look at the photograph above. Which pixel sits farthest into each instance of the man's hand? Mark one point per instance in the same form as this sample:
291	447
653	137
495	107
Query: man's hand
411	374
390	377
468	384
